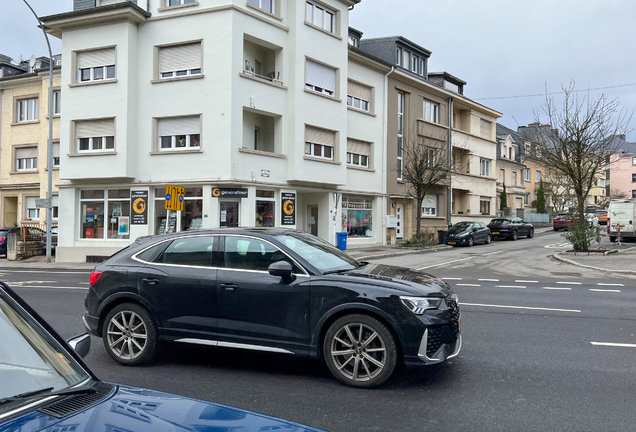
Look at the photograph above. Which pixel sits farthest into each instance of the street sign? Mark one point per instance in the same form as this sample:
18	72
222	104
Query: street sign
174	197
43	203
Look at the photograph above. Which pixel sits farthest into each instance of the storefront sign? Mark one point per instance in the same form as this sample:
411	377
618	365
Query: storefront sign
174	197
288	204
229	193
139	205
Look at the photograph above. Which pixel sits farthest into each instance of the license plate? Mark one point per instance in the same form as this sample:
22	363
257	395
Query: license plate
496	232
460	323
452	242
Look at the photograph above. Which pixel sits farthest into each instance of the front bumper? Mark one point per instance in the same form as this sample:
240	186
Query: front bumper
91	324
444	352
453	241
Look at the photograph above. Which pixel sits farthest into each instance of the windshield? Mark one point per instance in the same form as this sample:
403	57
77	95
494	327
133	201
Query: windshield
317	252
30	359
461	226
498	222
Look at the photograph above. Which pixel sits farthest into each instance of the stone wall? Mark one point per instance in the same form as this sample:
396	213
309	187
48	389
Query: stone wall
30	248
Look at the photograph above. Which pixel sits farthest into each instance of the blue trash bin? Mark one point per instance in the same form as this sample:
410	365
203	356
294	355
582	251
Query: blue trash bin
342	240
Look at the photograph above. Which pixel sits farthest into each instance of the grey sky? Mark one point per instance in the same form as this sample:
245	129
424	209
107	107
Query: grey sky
500	47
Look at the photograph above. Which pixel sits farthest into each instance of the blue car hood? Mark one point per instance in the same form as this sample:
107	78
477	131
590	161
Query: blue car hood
132	409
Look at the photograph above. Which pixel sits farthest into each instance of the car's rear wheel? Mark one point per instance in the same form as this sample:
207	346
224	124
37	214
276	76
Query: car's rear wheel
515	235
556	229
130	334
612	239
360	351
531	233
488	239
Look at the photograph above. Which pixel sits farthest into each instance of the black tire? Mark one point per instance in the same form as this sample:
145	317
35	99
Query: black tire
531	233
354	330
515	235
488	239
136	320
612	239
556	229
471	241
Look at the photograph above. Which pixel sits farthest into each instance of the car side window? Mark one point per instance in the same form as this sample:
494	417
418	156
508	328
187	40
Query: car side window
192	251
245	253
149	254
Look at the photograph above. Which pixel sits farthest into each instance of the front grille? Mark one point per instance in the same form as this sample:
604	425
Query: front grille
74	403
453	309
434	341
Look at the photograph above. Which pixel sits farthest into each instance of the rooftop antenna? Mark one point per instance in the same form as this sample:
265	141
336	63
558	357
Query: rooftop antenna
32	63
20	59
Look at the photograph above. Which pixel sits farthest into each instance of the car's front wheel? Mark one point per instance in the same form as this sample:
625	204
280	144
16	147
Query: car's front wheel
531	233
360	351
130	334
471	241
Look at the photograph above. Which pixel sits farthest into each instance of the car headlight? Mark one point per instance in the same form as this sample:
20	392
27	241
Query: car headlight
464	234
419	305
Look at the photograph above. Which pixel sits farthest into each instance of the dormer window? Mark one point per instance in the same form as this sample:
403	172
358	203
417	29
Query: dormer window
354	41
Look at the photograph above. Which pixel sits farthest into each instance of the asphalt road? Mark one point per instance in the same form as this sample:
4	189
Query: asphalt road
541	352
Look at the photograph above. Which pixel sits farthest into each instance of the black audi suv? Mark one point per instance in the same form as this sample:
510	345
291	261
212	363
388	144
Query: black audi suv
271	289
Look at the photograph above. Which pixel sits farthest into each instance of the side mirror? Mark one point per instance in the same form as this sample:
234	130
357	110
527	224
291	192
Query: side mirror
81	344
281	268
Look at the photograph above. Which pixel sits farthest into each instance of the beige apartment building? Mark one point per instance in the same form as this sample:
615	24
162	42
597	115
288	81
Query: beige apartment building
24	133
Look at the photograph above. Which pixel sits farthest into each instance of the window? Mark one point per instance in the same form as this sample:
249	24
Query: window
251	254
265	203
267	5
484	206
320	16
429	205
414	63
56	155
526	199
359	96
509	152
406	59
634	194
191	251
400	137
431	158
320	78
179	133
32	212
399	57
601	182
358	153
27	110
57	102
180	2
105	214
26	158
514	178
634	161
191	218
422	70
177	61
538	176
319	142
357	216
502	176
95	135
431	111
485	129
96	65
633	178
484	167
354	42
55	203
527	174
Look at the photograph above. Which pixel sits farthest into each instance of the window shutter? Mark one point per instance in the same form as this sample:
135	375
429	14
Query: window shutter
56	150
358	147
30	202
96	128
430	201
26	152
359	91
55	199
180	57
321	76
179	126
96	58
320	136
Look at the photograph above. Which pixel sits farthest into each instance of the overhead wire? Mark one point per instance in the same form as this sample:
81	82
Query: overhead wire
555	93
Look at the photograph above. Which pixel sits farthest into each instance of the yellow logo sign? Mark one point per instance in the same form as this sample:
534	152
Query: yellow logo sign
288	207
216	192
139	206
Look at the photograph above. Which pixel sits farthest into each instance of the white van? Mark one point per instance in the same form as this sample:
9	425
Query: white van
621	212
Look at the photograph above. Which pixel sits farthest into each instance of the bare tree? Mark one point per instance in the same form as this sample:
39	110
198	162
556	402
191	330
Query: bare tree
425	164
618	194
558	187
581	135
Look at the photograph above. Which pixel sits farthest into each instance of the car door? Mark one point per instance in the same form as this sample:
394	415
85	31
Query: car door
179	281
256	308
484	232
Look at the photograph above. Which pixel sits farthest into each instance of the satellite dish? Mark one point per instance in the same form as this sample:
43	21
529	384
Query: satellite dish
32	63
20	59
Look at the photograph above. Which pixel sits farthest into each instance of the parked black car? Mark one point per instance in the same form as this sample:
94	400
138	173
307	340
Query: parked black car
510	228
4	232
271	289
468	233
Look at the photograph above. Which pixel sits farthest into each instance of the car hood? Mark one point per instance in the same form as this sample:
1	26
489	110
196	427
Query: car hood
133	409
407	280
456	233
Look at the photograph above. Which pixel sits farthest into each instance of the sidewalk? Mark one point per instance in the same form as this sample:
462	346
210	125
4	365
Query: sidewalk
39	263
623	262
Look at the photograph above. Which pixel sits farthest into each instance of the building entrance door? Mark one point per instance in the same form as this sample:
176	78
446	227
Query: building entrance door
399	212
10	212
229	214
312	220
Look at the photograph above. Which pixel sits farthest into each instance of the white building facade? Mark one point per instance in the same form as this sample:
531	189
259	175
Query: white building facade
249	105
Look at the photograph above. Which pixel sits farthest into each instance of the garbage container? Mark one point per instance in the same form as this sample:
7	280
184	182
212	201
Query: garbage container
441	237
342	240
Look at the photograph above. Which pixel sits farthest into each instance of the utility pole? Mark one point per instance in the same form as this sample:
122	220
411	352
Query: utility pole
49	194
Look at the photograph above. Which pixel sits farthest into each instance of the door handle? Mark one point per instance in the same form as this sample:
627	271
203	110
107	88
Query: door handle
229	287
151	281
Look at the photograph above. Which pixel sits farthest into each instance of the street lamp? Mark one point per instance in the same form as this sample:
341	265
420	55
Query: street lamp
49	194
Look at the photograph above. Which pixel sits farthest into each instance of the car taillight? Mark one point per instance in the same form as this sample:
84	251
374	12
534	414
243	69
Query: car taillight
1	239
95	277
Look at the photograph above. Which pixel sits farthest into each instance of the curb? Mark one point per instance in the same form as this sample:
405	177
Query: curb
413	252
558	257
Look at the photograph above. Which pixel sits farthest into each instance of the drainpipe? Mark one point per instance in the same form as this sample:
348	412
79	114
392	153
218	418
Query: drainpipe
450	161
385	152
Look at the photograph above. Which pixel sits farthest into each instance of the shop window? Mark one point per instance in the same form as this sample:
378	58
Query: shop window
265	203
191	218
105	214
357	216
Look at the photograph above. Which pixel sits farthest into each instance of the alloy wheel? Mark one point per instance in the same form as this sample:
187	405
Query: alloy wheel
127	335
358	352
471	241
488	239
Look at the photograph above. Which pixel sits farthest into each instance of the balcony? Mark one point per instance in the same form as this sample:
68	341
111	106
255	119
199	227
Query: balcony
261	133
262	61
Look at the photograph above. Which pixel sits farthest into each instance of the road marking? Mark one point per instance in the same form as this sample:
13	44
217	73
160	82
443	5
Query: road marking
452	278
510	286
604	290
525	281
49	287
521	307
447	262
558	288
46	271
609	284
610	344
473	285
488	280
85	283
492	253
570	283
